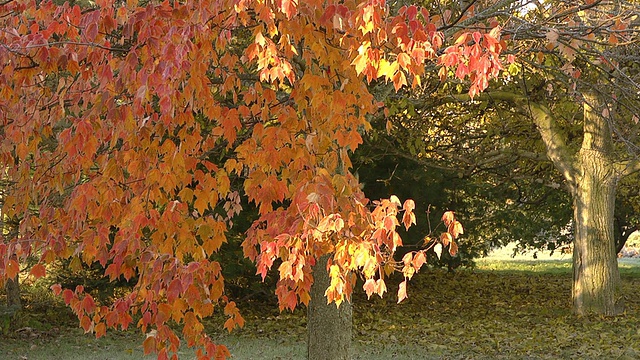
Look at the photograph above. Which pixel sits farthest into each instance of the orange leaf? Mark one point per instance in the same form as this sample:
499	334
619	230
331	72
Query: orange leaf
419	260
453	249
229	324
100	330
38	271
447	218
408	219
409	205
88	304
455	229
149	345
369	287
12	269
406	259
381	287
85	323
446	238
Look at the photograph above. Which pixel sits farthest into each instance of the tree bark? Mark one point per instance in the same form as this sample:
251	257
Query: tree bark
328	327
596	279
12	288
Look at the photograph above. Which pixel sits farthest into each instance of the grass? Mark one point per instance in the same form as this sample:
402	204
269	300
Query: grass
514	308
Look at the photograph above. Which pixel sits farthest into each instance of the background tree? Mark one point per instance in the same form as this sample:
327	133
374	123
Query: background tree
576	83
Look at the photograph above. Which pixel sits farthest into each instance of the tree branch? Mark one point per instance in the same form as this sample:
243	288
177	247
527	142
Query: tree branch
628	167
557	150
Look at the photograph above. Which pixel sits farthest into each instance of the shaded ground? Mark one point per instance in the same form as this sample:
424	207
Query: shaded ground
513	309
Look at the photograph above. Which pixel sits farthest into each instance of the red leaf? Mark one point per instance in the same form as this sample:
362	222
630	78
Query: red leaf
56	288
88	304
476	37
67	295
91	31
174	290
328	14
412	11
38	271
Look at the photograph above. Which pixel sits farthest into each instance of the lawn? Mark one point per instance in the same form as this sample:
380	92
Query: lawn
503	309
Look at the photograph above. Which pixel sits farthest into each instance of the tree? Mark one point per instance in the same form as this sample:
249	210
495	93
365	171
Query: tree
7	226
112	117
576	81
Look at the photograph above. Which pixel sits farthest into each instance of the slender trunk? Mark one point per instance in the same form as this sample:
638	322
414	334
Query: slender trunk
328	326
12	288
596	279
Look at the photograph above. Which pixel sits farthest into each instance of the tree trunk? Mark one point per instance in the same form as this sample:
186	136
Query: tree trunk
328	326
12	288
596	280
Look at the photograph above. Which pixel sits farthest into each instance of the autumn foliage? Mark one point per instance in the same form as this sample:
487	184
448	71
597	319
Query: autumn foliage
114	119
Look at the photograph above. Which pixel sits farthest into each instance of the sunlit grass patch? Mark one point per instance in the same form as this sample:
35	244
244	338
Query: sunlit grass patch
629	267
549	267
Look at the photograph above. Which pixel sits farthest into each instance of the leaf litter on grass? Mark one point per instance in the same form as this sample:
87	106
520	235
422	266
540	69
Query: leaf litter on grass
484	314
469	314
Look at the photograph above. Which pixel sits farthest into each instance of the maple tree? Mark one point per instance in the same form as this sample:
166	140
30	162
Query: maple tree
112	115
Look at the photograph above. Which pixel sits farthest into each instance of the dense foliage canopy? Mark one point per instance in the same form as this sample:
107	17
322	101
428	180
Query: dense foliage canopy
125	125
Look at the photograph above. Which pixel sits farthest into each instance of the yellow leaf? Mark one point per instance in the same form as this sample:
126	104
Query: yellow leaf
387	69
402	291
438	249
201	204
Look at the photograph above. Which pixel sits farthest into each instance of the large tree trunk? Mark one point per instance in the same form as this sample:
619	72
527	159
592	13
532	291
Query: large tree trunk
328	326
596	280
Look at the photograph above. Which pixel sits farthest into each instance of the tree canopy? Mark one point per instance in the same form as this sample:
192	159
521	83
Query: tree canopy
114	118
